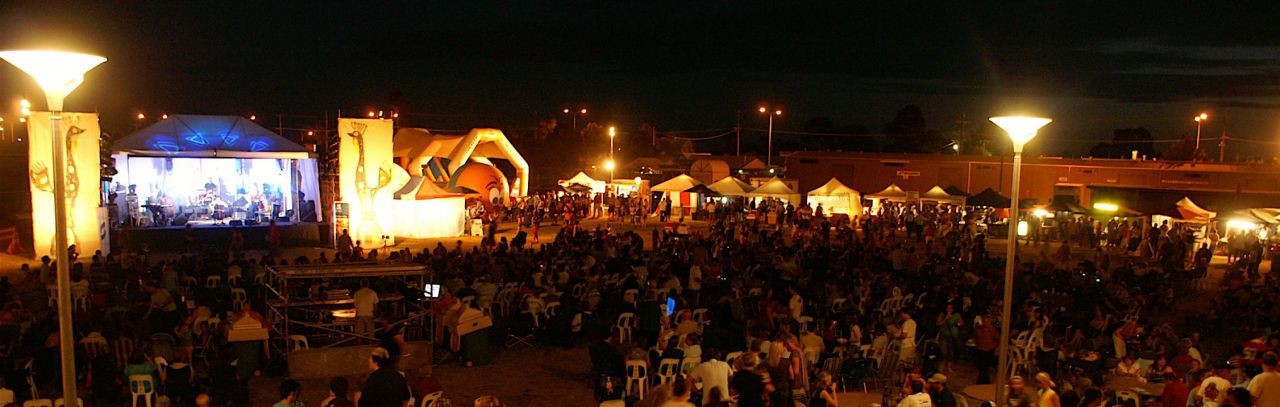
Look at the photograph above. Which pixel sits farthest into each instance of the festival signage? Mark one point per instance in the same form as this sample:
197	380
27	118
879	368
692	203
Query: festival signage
368	178
83	190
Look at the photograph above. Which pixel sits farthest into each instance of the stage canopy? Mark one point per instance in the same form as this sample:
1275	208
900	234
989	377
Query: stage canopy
213	168
1186	210
730	186
680	183
189	135
836	197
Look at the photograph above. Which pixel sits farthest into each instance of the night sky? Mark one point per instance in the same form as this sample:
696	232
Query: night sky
1092	66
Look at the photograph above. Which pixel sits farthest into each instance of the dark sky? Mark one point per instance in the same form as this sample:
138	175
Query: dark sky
1092	66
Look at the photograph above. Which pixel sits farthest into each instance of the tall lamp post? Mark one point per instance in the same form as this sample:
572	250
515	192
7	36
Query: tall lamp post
777	112
575	114
613	132
59	73
1200	119
1021	129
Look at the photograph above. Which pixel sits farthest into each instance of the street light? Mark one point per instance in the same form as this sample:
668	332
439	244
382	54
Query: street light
59	73
574	115
1200	119
141	116
25	107
1021	129
613	132
778	112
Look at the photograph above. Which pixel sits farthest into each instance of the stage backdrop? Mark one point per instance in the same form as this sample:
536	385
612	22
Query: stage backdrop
368	178
83	189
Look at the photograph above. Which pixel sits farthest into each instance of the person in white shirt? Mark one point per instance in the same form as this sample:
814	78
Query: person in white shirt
1265	387
918	397
695	281
907	339
713	374
366	301
1213	390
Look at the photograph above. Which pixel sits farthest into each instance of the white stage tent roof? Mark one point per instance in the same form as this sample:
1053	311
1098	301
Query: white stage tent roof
678	184
203	136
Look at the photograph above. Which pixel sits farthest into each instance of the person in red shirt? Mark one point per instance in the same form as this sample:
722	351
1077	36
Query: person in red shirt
986	339
1175	392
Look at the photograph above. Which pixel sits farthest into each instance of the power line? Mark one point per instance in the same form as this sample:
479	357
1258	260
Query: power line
704	138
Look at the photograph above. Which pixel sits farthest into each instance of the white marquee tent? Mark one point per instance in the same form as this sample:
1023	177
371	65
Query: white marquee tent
836	197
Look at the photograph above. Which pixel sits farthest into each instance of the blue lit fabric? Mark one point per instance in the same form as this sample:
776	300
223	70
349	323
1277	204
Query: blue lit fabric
205	136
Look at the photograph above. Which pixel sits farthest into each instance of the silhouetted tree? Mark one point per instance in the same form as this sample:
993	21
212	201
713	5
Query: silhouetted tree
909	133
1183	150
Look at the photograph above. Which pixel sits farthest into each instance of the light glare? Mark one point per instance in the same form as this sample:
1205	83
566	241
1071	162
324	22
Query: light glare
1021	129
58	73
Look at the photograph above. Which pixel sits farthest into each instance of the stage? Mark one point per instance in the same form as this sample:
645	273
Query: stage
173	238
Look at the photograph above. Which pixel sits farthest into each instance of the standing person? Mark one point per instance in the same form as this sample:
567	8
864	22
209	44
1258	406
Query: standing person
366	301
289	391
714	376
907	339
752	387
949	336
1048	397
1265	387
163	312
345	245
385	387
986	339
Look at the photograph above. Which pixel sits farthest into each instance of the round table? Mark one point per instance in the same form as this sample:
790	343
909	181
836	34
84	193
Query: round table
1127	383
981	392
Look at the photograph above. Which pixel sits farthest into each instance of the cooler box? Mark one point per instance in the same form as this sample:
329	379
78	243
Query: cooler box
475	348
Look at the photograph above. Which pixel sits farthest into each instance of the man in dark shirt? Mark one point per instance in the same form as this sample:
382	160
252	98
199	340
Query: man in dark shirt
939	392
386	387
749	384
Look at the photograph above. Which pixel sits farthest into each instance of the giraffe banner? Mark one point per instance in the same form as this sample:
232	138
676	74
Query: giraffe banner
368	178
82	187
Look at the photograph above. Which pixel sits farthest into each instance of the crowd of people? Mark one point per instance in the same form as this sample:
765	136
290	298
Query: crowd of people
753	312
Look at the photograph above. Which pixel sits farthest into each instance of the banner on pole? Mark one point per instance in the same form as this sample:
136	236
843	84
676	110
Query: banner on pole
81	133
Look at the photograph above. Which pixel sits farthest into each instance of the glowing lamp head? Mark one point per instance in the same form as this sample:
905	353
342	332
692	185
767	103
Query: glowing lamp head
638	180
141	116
763	109
25	107
164	116
58	73
566	111
609	165
253	117
1202	117
372	114
1021	129
1106	207
583	111
777	112
311	133
613	131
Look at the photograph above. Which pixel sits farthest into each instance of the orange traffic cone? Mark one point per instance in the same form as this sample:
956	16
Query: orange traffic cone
14	246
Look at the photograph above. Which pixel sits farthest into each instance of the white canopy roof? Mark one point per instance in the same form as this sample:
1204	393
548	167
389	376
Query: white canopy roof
193	135
937	194
580	178
774	186
730	186
891	192
833	187
678	184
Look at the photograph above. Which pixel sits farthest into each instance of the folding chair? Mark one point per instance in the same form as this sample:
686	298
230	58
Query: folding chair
520	334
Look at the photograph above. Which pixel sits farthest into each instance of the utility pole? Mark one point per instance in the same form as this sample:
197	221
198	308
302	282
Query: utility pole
1222	143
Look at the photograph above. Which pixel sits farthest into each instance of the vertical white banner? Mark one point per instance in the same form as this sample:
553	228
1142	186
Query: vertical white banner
82	174
367	178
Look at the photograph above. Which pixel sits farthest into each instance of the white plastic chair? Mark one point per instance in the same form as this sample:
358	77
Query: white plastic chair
53	295
667	370
552	308
38	403
430	399
141	385
233	281
298	342
688	363
212	282
626	320
162	366
238	298
806	323
637	377
61	403
31	380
